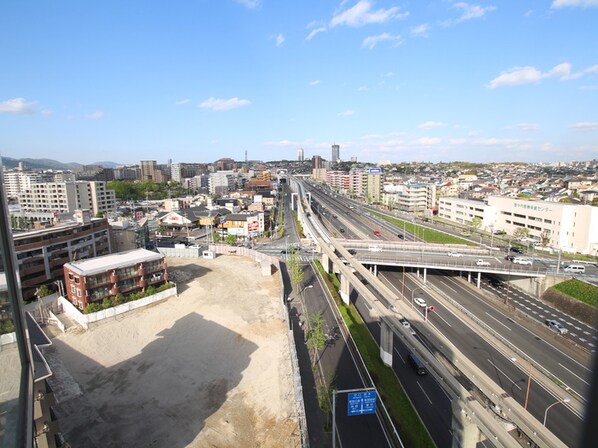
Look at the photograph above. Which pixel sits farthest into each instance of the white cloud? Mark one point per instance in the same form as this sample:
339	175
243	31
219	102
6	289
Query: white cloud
371	41
46	113
528	75
469	12
315	82
432	124
483	141
556	4
18	106
251	4
361	14
279	40
588	88
182	102
346	113
527	127
315	31
363	88
420	30
585	126
97	115
426	141
219	104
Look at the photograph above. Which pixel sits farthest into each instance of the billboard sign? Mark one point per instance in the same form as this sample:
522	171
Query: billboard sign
376	170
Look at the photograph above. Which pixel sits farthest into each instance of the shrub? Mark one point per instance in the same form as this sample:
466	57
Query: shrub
7	327
118	299
164	287
92	308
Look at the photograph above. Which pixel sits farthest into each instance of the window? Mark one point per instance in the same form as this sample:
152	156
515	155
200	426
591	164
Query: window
78	292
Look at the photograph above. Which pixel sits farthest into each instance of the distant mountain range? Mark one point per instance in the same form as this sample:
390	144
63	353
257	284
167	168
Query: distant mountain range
49	164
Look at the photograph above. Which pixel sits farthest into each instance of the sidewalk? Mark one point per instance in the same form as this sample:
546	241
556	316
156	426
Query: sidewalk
316	419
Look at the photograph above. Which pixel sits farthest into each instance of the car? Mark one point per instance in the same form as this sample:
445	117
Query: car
521	260
420	302
375	249
499	232
401	236
555	326
341	230
496	282
407	325
481	262
452	253
509	257
352	251
377	233
517	250
465	233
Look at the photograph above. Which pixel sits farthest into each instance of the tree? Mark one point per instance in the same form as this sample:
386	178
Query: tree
476	222
521	232
7	327
231	239
43	291
295	269
316	336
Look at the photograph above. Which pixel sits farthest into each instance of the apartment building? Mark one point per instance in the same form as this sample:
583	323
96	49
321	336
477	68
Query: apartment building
464	211
338	180
410	198
66	197
92	280
41	254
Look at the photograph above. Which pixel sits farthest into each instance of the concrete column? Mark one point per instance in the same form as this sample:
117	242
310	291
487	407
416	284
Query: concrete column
326	262
386	336
425	275
479	282
469	277
345	289
417	272
375	270
309	199
465	433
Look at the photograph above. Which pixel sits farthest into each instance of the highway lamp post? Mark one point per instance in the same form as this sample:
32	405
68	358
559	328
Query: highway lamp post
491	236
563	400
286	247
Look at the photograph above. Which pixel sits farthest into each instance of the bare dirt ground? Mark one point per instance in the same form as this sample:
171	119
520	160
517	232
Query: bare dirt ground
210	368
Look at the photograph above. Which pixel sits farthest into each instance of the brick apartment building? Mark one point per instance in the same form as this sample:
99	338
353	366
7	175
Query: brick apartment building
92	280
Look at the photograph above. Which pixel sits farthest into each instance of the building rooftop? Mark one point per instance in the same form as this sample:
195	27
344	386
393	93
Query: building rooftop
101	264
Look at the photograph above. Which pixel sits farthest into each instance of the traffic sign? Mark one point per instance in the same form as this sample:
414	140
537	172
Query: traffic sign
431	308
361	403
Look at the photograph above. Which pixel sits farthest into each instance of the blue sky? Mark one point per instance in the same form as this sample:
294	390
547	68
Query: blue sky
197	80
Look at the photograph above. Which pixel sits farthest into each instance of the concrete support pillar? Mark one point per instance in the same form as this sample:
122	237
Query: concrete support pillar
469	277
386	341
417	272
465	433
345	289
294	197
479	282
375	270
326	263
309	199
425	275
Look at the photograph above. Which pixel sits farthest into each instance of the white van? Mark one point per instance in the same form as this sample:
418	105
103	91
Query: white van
521	260
575	268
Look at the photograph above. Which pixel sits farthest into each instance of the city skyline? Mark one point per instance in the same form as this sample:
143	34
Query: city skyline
386	80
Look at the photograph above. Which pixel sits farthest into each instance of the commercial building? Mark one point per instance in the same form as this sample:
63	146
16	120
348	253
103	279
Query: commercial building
41	254
66	197
148	169
92	280
300	155
567	227
336	150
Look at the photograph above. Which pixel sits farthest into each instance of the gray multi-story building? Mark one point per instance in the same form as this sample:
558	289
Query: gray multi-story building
336	152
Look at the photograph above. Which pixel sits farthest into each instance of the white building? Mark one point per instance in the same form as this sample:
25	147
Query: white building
410	198
300	155
66	197
221	182
568	227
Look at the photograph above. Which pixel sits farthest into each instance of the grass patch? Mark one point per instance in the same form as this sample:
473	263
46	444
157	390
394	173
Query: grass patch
579	290
405	419
427	234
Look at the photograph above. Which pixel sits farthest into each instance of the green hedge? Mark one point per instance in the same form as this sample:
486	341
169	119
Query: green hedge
118	299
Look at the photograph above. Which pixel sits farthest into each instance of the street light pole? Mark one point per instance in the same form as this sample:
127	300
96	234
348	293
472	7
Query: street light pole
564	400
413	294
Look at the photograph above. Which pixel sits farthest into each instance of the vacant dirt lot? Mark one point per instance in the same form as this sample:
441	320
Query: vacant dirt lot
210	368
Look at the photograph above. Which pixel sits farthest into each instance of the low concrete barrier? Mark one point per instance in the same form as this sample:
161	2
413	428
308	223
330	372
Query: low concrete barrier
85	319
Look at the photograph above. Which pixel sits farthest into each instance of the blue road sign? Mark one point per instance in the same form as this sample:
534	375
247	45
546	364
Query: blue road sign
376	170
361	403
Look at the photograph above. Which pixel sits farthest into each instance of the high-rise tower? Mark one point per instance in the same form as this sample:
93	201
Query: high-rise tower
335	153
300	155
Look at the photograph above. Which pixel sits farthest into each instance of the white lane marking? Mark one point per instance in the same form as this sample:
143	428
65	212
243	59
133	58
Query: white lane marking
447	286
397	352
505	375
441	318
580	379
508	328
424	392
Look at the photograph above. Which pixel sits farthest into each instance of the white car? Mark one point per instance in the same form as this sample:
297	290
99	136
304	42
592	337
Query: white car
454	254
481	262
420	302
407	325
556	326
375	249
519	260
